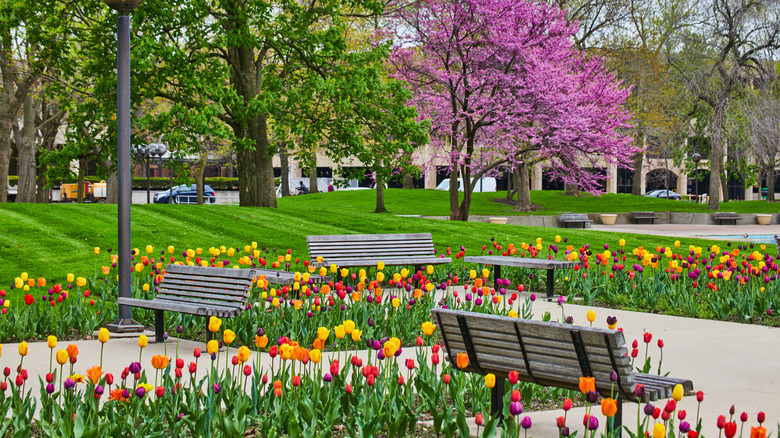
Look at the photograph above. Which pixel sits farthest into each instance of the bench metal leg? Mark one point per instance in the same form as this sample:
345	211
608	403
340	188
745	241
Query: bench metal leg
618	418
550	284
496	275
159	325
497	400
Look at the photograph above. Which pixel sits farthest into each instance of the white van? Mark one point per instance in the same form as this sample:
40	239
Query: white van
483	185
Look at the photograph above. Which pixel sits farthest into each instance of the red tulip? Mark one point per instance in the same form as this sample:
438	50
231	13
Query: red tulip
410	364
420	342
370	380
179	363
334	367
660	343
177	372
721	423
730	430
446	379
515	396
479	420
761	417
681	414
296	381
743	417
265	379
247	370
193	367
693	434
647	337
699	396
400	380
160	391
196	353
560	422
567	404
349	388
514	376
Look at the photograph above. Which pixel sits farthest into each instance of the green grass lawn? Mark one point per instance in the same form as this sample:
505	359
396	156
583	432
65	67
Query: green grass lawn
51	240
436	203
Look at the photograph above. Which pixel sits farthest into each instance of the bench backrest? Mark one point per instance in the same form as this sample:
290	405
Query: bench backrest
725	214
333	248
215	286
547	353
573	217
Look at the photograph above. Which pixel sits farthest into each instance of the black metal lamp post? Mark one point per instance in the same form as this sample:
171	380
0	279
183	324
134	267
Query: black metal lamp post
696	158
125	322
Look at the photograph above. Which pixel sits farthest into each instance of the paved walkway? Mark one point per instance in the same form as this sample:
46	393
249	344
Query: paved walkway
725	232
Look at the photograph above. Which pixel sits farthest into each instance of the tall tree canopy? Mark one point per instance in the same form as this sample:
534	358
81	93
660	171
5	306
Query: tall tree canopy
500	79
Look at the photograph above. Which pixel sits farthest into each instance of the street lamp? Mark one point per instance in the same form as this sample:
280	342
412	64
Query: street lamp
147	153
125	322
696	158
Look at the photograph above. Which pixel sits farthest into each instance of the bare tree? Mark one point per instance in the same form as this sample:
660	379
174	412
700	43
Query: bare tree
720	57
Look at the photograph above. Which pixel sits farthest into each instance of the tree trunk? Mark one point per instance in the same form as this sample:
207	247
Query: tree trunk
112	184
313	177
724	183
572	189
5	154
380	195
716	154
408	181
285	177
27	148
80	181
770	183
197	173
636	182
454	204
523	184
255	164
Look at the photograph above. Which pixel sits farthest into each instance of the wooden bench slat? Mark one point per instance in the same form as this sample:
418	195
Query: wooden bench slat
423	243
174	289
389	261
202	296
211	272
241	282
377	252
226	287
193	309
201	302
367	237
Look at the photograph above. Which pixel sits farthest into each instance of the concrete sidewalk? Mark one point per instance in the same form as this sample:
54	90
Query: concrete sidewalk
733	364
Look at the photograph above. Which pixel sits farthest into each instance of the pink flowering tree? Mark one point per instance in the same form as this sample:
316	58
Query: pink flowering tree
501	83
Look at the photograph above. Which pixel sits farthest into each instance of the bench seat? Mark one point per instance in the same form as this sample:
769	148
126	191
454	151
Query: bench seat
197	290
721	216
573	218
636	216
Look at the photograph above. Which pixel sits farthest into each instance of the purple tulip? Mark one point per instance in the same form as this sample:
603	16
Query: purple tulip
49	388
533	297
99	390
649	409
140	392
134	367
327	377
526	423
217	388
685	427
593	423
515	408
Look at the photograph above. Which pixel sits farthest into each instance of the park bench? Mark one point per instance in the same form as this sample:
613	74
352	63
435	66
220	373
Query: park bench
573	218
636	216
362	250
549	354
524	262
197	290
721	216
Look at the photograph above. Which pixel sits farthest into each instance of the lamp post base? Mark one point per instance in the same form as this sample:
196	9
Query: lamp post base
125	325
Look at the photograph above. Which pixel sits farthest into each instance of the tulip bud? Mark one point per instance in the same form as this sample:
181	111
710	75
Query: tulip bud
732	410
446	379
721	423
109	379
700	396
515	395
743	417
49	378
196	353
349	389
560	422
761	417
479	420
567	404
247	370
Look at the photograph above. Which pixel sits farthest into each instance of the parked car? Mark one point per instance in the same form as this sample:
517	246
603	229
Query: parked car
186	194
12	191
663	193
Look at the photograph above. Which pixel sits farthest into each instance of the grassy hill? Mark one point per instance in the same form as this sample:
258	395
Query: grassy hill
51	240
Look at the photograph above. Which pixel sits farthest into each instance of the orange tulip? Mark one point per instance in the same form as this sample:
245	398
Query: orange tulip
261	341
73	351
608	407
106	269
758	432
462	360
94	374
160	362
587	384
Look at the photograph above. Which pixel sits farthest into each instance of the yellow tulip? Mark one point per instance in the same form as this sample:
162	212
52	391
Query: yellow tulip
62	357
678	392
429	269
214	324
70	278
51	341
396	302
380	277
96	250
344	272
339	331
349	326
170	249
190	253
143	341
315	355
243	354
513	314
24	276
322	334
472	274
485	273
102	335
622	242
428	328
490	380
228	337
287	257
23	348
139	267
356	335
659	430
212	346
18	283
149	249
591	316
380	266
146	287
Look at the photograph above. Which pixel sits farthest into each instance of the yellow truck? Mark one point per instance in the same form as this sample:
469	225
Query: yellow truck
92	192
